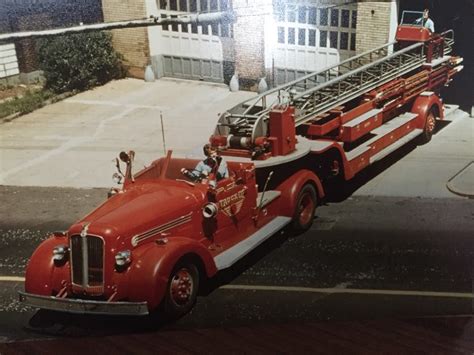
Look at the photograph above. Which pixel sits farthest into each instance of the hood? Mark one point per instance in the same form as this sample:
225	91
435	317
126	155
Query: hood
141	207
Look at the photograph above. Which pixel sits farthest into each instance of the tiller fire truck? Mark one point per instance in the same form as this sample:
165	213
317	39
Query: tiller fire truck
156	239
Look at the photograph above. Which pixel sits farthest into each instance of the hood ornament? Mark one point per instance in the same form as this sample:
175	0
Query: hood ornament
85	227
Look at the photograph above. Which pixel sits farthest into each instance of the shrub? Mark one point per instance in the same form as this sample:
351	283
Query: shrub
79	61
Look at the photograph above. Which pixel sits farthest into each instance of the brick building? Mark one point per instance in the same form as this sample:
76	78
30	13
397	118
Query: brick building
276	39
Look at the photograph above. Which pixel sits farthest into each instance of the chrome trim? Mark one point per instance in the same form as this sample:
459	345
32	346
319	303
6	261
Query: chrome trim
138	238
85	265
84	306
85	260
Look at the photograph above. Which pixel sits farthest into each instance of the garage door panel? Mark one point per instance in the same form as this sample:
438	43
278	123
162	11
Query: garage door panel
216	69
206	68
187	67
167	66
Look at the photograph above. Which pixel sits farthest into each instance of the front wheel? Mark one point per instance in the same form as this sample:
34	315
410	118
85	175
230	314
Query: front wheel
304	210
181	291
430	125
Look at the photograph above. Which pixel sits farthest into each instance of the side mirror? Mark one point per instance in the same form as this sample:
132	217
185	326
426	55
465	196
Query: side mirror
124	157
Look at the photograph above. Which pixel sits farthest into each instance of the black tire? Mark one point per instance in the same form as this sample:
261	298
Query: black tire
181	294
304	209
428	129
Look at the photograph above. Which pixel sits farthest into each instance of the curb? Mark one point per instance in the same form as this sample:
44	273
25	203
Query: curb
11	117
49	101
451	185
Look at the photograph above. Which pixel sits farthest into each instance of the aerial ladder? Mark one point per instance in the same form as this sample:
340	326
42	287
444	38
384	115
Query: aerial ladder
365	107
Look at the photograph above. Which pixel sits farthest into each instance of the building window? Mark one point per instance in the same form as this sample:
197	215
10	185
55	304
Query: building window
354	19
280	10
164	27
225	30
174	27
302	14
281	35
312	26
215	29
333	39
323	17
291	36
345	18
335	17
344	41
323	39
312	38
353	41
301	36
175	7
224	5
312	16
291	14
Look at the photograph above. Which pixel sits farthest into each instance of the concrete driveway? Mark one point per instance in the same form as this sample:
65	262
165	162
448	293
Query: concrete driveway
72	143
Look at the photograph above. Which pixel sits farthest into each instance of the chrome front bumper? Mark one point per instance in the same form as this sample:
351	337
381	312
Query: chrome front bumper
84	306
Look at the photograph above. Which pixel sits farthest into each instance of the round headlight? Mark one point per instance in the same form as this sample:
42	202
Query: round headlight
123	258
60	252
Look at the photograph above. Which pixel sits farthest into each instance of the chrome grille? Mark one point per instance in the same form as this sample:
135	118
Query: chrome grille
87	257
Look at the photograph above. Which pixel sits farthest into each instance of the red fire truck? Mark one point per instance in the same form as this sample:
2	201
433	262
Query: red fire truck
158	238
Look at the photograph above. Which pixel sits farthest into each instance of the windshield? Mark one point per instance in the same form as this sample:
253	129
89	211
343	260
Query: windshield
412	18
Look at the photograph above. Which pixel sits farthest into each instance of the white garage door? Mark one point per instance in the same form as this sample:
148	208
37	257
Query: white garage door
190	51
311	37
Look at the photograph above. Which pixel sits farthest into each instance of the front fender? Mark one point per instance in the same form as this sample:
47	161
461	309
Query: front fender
152	264
42	276
422	106
291	188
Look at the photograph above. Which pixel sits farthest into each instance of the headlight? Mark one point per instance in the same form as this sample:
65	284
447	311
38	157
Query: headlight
123	258
60	252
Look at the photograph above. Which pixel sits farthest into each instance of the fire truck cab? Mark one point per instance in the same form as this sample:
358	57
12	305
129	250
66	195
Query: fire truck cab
152	243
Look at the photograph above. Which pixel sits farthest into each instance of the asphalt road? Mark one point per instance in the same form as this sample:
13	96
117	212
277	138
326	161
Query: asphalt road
366	250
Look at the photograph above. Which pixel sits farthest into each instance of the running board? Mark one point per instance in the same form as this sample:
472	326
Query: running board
384	136
238	251
394	146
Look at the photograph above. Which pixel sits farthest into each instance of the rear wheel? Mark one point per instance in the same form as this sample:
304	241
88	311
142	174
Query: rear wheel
181	291
304	210
430	125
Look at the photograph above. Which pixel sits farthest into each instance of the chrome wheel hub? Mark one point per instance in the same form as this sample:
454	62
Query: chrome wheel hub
181	287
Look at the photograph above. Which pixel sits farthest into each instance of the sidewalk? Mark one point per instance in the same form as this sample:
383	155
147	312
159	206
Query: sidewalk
72	143
425	171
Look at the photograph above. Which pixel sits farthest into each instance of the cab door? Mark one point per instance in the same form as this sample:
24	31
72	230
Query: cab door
235	198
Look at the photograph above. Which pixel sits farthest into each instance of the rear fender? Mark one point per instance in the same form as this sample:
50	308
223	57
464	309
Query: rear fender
423	105
291	188
152	264
43	276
